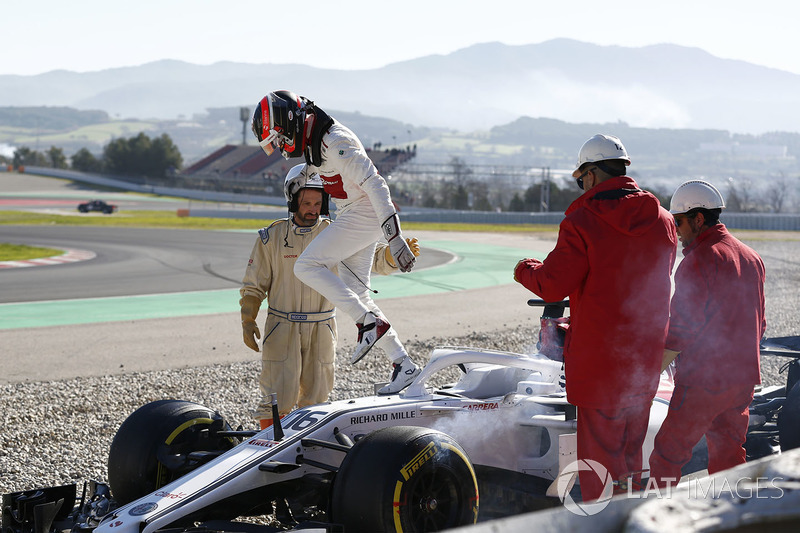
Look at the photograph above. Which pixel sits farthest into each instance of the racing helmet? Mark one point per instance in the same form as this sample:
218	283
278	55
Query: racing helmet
600	148
278	122
695	194
298	179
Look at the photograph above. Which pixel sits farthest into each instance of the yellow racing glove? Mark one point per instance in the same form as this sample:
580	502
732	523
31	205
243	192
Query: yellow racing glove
250	306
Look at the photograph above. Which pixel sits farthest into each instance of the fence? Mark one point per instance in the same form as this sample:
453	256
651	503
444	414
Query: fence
753	221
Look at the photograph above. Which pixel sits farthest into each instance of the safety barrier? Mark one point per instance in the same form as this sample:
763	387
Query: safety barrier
750	221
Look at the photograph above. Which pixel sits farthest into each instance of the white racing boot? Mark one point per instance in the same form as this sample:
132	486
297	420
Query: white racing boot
373	328
404	373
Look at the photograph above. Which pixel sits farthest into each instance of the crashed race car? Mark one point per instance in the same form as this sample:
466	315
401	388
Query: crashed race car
490	444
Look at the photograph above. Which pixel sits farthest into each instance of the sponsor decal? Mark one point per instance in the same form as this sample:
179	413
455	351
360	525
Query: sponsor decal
482	406
420	459
334	186
389	229
264	234
341	152
298	316
262	442
116	523
366	419
383	417
304	230
165	494
143	508
290	256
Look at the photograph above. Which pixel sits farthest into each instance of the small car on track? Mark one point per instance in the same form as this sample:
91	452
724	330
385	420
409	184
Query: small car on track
97	205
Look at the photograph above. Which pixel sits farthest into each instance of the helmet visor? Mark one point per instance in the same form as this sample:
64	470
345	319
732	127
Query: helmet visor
270	143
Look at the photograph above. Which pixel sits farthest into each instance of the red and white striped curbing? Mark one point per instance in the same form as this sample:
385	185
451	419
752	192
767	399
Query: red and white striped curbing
69	256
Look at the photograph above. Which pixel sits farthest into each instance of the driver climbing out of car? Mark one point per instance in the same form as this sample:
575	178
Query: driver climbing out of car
300	331
614	255
716	325
364	212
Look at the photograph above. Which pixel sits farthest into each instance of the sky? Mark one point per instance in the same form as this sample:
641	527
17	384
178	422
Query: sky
39	36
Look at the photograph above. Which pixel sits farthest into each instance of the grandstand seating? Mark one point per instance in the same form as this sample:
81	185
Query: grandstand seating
250	163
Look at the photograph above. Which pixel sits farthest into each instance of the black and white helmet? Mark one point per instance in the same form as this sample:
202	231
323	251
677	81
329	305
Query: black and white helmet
279	121
297	179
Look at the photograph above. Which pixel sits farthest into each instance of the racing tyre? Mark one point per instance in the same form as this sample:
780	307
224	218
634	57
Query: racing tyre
404	479
152	446
789	420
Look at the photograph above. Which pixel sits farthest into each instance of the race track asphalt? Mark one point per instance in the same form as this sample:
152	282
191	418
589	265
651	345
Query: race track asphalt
80	331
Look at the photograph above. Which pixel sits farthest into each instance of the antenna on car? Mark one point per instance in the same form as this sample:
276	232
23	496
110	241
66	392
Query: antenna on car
277	429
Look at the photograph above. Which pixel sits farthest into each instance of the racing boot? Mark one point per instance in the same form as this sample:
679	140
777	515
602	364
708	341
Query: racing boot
373	328
404	373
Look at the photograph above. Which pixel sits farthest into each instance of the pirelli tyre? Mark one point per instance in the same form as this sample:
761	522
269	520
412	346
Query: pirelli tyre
404	479
161	441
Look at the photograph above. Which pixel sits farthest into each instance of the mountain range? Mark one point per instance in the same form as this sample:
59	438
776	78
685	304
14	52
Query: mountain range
472	89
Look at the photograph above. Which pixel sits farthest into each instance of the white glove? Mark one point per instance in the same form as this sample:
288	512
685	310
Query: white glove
403	256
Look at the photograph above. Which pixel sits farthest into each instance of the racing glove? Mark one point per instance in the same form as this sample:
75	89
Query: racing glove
523	265
403	257
250	306
412	245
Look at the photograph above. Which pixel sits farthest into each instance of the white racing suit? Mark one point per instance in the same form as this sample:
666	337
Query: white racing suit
363	202
299	337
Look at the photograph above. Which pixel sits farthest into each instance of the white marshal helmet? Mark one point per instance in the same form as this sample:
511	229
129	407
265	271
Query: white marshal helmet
298	178
601	148
694	194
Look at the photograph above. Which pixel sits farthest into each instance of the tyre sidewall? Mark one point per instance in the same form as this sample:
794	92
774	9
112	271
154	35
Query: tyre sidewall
372	489
133	466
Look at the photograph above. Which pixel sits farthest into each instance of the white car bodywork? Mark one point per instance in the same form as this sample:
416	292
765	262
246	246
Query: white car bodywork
508	411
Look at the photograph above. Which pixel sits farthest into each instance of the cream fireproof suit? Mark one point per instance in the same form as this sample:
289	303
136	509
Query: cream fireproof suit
363	202
297	358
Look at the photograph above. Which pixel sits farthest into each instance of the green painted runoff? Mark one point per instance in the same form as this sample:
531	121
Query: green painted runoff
476	266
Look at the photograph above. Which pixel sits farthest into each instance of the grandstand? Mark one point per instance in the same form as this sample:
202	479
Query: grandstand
247	169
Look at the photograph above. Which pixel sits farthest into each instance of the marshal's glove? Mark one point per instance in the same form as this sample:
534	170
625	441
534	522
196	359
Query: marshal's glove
250	306
403	257
524	265
412	245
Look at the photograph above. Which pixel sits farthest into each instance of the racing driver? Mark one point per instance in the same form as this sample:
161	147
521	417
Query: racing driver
364	211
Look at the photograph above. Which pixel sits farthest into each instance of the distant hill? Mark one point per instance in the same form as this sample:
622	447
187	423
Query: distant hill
476	88
39	127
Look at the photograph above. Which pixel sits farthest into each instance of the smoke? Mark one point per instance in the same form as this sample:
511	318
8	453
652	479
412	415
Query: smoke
492	434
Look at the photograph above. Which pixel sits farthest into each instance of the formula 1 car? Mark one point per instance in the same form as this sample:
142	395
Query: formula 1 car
490	444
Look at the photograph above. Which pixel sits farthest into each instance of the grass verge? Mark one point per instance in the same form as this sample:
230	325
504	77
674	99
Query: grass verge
169	219
21	252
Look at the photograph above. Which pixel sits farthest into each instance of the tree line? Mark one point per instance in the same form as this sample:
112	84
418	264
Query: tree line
133	157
